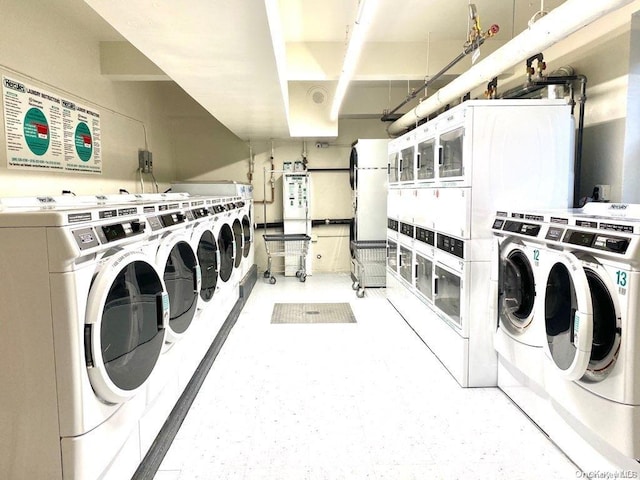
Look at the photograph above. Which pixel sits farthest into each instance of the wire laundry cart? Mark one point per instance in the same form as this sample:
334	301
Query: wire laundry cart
286	245
369	259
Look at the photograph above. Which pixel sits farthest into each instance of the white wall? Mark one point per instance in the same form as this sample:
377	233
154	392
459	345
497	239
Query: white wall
42	44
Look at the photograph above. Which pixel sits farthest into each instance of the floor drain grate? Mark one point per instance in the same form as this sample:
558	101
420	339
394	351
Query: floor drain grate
312	313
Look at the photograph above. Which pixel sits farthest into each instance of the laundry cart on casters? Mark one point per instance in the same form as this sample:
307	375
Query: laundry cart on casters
286	245
369	262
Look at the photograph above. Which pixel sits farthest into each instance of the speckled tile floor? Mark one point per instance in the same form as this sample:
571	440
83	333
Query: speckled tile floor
363	400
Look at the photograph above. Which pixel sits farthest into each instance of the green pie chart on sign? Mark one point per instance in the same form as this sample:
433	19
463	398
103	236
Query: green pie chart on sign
36	131
84	142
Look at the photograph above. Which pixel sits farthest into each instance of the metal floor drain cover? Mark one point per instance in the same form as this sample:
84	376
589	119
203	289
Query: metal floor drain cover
312	313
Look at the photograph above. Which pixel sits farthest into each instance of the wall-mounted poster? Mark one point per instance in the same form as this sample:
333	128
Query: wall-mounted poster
48	132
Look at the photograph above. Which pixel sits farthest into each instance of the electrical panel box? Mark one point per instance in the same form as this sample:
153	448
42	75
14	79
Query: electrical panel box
145	160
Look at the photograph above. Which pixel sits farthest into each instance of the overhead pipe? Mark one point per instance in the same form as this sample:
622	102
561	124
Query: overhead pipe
476	40
272	183
561	22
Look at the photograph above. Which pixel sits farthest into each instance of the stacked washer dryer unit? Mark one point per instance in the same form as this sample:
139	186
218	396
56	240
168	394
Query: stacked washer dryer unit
589	306
84	318
368	179
451	172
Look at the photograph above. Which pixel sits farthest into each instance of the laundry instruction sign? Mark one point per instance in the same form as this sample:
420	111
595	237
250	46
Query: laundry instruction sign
47	132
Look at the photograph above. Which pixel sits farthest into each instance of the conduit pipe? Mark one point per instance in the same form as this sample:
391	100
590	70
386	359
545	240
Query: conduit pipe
561	22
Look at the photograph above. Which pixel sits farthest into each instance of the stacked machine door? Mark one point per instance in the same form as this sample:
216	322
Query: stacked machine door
453	149
449	294
426	154
423	278
405	252
407	163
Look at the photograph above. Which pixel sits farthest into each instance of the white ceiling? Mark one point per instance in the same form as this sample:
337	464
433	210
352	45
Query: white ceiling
221	52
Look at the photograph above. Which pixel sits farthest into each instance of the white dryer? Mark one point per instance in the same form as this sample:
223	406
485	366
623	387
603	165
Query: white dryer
590	304
83	320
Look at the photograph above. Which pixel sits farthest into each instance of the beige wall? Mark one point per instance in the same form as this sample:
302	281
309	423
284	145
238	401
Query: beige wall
40	44
220	156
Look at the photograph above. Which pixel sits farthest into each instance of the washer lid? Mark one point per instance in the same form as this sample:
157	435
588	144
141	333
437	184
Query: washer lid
127	313
568	317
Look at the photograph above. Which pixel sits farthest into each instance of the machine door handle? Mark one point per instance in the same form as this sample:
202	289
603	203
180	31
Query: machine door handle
440	155
435	286
418	161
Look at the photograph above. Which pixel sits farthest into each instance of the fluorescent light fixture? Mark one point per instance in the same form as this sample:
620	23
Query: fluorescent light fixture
366	10
279	48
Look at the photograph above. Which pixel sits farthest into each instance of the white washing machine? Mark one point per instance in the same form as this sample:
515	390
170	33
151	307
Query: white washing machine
228	249
83	320
515	293
239	197
590	303
368	179
245	214
515	284
204	242
171	246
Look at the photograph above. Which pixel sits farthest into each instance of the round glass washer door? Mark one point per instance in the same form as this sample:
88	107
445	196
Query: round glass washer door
353	165
207	253
127	314
607	330
518	292
226	248
238	238
568	317
246	229
182	279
